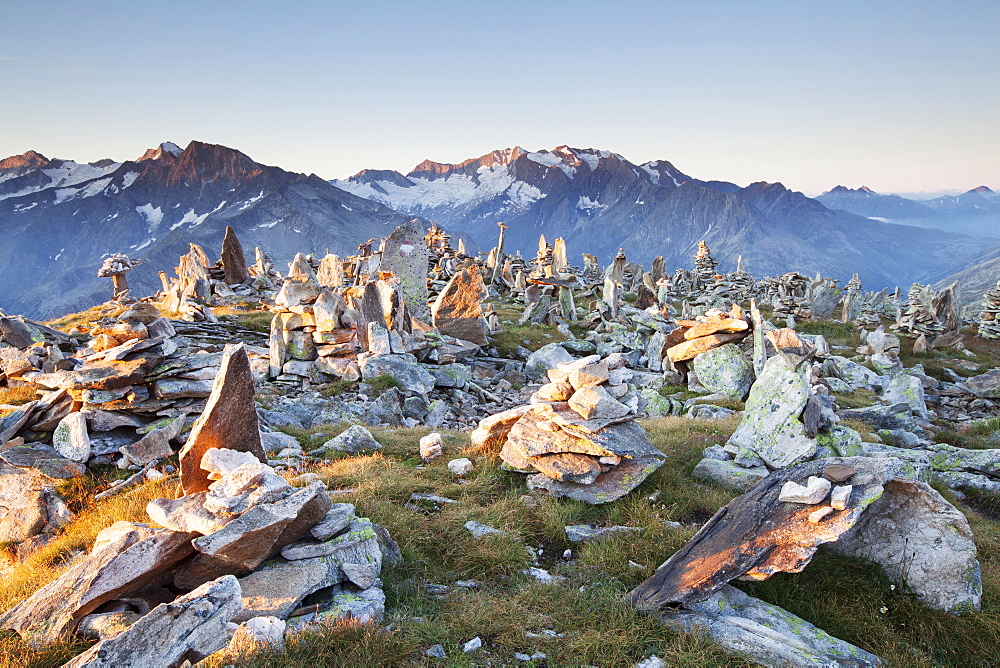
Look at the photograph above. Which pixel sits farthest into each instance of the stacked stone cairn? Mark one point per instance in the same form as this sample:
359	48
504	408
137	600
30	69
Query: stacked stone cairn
853	296
989	316
578	437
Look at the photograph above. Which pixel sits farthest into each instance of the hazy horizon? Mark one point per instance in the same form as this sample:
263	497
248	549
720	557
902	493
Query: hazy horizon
894	96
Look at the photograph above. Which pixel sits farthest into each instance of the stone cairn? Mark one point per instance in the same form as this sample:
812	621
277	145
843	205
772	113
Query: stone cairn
240	545
853	296
115	267
989	317
705	265
578	436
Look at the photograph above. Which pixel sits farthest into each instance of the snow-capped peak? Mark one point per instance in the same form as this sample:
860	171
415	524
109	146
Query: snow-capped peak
167	149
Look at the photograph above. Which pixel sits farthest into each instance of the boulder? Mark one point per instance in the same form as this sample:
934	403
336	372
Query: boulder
885	517
353	440
729	474
46	462
594	403
70	439
278	588
451	375
607	487
986	385
692	348
725	369
547	357
188	629
405	254
234	263
903	388
765	633
771	427
792	348
457	311
404	367
492	431
125	558
29	504
229	420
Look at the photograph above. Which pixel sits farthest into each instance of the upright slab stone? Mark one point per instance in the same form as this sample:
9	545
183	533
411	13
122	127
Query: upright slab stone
458	311
331	271
234	263
771	427
405	254
229	420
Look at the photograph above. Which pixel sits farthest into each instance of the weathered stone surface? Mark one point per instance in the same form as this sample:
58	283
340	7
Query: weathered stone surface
338	518
568	467
756	535
461	467
492	431
694	347
46	462
451	375
256	535
248	485
790	346
403	367
187	629
405	254
234	263
29	504
125	558
594	403
179	388
725	369
70	439
608	487
229	420
986	385
547	357
581	533
811	492
589	375
457	311
278	588
765	633
431	446
770	425
186	514
728	474
921	540
155	444
714	324
354	439
860	377
906	389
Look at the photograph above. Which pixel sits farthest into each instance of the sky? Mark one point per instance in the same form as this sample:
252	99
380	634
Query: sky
899	96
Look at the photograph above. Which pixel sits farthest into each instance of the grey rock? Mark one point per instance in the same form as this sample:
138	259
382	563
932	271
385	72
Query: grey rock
725	369
709	412
906	389
338	518
921	540
547	357
403	367
124	559
278	587
728	474
29	504
188	629
765	633
451	375
478	529
70	439
770	425
354	439
579	533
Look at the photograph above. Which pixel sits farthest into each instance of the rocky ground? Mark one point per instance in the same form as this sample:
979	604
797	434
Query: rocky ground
816	495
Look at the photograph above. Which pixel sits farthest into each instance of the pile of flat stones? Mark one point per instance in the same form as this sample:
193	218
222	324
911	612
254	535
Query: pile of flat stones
249	549
578	436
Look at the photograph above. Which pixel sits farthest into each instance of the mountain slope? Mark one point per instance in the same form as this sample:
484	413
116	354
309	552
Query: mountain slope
599	201
59	219
866	202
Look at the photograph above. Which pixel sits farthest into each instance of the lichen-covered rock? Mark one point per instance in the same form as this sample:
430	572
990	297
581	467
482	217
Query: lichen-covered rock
413	377
728	474
354	439
765	633
771	426
187	629
903	388
725	369
451	375
547	357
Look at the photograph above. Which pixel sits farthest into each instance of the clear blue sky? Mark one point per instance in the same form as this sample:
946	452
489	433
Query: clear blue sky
899	96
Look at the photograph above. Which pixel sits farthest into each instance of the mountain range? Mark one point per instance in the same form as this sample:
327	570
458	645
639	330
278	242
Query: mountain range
975	212
60	219
599	202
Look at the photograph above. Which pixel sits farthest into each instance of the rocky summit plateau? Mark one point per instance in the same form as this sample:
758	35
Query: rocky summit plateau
371	442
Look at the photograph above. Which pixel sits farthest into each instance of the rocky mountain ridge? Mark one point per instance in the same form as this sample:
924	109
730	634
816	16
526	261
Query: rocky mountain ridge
61	219
599	200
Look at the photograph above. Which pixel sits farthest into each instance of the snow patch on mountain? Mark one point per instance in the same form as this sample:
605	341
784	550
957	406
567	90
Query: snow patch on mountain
90	189
591	205
153	215
192	217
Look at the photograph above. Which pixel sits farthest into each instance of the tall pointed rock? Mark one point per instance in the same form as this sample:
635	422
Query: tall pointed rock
229	420
234	263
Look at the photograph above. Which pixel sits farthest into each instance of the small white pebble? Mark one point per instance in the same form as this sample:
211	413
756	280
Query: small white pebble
817	515
472	645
